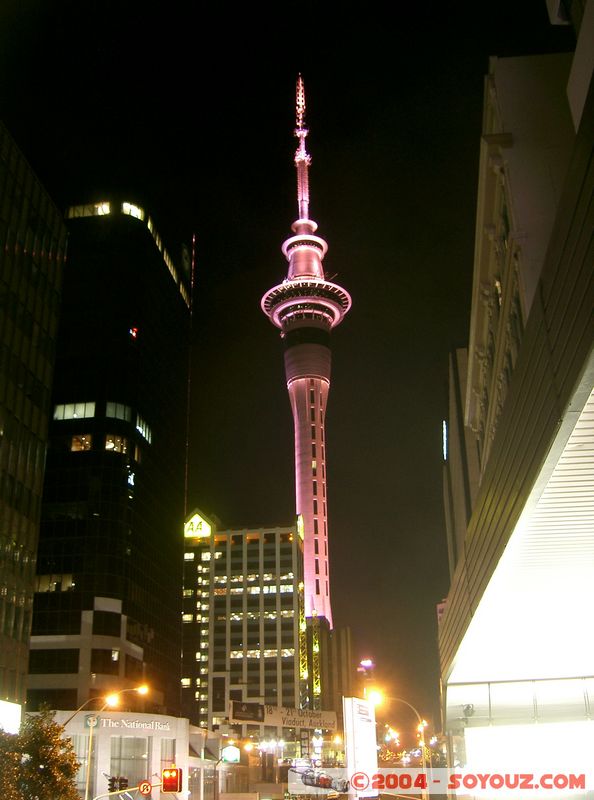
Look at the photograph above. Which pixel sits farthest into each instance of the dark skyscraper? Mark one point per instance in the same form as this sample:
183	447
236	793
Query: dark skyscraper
108	606
32	249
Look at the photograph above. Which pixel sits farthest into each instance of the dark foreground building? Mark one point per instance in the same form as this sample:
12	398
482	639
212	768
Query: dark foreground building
32	250
107	611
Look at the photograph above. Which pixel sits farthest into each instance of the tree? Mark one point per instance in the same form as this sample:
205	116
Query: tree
37	763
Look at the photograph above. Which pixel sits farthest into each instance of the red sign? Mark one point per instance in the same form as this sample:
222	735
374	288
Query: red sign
144	787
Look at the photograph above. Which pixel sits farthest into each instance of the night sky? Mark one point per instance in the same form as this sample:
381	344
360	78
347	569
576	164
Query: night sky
191	114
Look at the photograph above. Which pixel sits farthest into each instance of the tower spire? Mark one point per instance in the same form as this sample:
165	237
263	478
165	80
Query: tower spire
302	157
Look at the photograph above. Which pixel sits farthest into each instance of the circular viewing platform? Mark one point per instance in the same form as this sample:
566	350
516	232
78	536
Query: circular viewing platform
306	297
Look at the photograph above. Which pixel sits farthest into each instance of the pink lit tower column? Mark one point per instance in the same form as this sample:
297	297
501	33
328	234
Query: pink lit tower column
305	306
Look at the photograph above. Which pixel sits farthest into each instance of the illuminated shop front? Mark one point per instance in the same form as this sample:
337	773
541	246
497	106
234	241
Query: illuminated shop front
136	747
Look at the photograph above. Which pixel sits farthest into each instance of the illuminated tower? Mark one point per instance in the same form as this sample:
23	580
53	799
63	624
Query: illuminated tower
305	306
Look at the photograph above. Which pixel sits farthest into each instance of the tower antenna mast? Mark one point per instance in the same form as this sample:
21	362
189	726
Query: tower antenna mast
302	157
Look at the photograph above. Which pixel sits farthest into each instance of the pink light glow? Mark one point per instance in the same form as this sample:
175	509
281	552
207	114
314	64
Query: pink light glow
306	302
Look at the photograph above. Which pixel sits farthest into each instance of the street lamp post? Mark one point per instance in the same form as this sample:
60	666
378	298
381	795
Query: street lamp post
110	700
376	698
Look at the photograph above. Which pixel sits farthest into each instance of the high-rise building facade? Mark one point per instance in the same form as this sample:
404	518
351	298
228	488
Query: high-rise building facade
32	252
107	608
243	622
517	664
306	307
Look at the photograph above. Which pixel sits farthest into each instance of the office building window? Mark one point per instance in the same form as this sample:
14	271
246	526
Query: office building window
105	662
143	428
89	210
168	748
133	211
53	662
82	441
115	443
74	411
130	756
118	411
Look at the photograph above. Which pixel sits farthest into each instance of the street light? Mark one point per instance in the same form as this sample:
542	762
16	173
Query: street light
112	700
376	698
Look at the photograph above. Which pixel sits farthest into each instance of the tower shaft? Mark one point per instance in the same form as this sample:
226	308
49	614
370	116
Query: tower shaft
305	306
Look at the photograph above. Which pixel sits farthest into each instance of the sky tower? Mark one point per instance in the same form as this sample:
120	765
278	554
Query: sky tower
305	306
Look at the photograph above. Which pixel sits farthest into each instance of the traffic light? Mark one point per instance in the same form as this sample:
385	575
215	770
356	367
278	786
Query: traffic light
123	783
171	779
112	784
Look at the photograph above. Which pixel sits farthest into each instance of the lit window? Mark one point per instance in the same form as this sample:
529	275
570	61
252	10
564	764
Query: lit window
187	617
143	428
205	556
188	592
287	652
133	211
88	210
118	411
74	411
117	444
185	682
82	441
188	556
286	588
115	655
54	583
204	670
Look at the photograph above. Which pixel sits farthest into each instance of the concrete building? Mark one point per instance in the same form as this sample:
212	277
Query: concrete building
517	659
107	610
32	252
136	747
243	623
306	307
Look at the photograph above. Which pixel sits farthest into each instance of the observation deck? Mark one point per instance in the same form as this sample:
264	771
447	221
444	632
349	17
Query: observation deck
301	299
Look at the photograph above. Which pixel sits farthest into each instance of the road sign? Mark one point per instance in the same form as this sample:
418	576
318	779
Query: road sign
144	787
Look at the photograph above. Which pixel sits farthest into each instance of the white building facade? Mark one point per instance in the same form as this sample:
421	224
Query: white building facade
517	660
